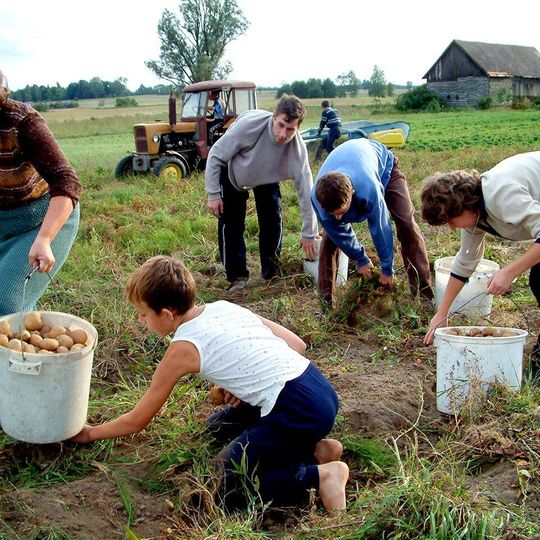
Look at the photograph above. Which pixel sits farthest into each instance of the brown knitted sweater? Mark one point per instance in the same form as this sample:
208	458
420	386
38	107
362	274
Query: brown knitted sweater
31	162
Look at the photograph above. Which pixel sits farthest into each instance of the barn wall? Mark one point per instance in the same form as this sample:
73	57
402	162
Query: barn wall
452	64
525	87
464	92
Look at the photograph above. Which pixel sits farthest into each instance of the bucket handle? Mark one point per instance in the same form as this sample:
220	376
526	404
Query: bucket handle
26	280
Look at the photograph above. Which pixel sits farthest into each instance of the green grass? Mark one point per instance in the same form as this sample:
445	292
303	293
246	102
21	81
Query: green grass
414	488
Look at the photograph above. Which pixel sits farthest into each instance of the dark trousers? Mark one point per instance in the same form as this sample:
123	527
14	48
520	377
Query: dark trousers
534	284
273	455
232	224
328	142
413	247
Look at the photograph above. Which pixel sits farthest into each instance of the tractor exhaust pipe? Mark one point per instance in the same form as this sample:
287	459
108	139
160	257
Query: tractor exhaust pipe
172	109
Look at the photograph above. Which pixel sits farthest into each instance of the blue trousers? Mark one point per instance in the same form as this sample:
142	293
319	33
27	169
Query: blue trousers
232	225
273	455
18	230
328	142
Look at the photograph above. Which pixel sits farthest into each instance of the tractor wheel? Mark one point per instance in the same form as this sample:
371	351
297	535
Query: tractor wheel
169	168
124	167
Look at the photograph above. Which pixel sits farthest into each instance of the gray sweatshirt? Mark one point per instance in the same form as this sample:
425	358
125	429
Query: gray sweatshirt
254	158
511	193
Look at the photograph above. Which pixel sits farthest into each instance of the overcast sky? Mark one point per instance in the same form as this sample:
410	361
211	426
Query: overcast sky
46	42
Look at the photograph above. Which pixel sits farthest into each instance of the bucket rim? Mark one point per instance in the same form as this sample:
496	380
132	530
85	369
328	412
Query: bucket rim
441	334
443	265
59	357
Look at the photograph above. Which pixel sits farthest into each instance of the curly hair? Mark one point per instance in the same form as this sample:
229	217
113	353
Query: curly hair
447	195
4	88
162	283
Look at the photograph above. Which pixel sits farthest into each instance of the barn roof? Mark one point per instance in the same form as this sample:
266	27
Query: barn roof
499	60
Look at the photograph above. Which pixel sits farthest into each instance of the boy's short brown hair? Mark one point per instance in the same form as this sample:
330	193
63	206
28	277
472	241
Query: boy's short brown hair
333	191
447	195
291	107
162	283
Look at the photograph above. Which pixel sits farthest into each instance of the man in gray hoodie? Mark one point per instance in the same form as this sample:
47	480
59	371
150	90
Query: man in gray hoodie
260	150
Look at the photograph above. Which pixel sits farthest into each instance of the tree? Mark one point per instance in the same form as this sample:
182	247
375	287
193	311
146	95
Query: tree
329	89
377	84
389	89
193	45
409	85
348	82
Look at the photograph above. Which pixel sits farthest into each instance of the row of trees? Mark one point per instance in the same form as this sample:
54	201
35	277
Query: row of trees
346	83
93	89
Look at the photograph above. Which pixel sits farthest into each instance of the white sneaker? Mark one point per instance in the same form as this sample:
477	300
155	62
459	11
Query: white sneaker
237	285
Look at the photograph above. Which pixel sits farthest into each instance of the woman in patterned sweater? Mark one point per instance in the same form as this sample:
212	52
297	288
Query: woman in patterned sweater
39	212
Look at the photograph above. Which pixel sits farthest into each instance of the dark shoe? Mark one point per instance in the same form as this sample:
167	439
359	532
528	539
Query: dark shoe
237	285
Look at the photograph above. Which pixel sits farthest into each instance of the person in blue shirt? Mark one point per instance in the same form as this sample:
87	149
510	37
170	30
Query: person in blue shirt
329	118
360	180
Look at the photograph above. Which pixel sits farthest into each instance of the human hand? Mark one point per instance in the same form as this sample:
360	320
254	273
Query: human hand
500	282
310	249
439	320
84	435
365	271
386	281
215	207
41	255
232	400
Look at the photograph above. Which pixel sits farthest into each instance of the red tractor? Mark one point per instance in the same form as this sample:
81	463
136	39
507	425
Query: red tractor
174	149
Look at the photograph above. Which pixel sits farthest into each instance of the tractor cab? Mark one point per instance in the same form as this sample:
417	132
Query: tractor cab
175	148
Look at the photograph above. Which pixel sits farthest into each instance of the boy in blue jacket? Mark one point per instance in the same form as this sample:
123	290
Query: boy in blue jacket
360	180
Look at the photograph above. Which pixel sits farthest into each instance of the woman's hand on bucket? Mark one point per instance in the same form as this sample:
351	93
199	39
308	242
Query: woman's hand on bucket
439	320
41	255
500	282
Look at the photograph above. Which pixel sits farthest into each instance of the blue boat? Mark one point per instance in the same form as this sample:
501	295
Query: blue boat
392	134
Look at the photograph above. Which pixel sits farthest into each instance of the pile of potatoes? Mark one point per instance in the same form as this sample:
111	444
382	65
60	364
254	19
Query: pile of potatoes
488	331
39	337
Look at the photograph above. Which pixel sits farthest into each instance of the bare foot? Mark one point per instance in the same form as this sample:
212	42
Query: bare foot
332	480
328	450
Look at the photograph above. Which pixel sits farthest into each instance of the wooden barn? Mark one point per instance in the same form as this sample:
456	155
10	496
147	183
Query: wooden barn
468	70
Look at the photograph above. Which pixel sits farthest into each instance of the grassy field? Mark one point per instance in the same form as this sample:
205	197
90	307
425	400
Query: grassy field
414	473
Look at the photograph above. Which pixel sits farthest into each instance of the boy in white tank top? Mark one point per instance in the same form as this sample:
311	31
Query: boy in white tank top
279	406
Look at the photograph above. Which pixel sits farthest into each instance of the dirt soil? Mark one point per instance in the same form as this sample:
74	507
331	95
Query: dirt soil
379	397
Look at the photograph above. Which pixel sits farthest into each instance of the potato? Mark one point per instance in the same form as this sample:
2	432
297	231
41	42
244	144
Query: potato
36	339
451	332
62	349
4	340
488	331
49	344
5	329
65	341
44	351
473	332
33	321
79	336
57	331
29	348
217	395
15	344
507	333
77	347
45	329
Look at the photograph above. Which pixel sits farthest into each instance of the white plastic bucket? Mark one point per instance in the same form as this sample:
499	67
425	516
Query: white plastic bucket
467	366
44	399
472	299
312	267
